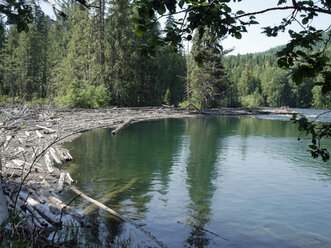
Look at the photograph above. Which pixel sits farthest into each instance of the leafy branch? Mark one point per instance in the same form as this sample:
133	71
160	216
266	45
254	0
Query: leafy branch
317	132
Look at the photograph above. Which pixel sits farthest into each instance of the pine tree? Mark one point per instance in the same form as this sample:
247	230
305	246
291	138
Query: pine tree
171	73
11	68
249	88
77	78
2	57
208	83
120	46
25	68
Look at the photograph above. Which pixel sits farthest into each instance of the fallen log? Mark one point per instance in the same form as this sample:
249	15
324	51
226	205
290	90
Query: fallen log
112	212
48	163
197	109
39	134
53	155
61	181
48	130
68	178
123	125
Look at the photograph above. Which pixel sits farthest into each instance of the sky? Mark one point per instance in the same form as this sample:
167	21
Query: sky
253	41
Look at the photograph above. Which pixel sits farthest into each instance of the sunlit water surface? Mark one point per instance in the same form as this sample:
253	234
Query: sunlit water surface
205	182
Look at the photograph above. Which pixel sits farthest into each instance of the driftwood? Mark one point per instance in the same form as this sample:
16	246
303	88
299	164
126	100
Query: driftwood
39	134
114	213
123	125
54	156
48	130
61	181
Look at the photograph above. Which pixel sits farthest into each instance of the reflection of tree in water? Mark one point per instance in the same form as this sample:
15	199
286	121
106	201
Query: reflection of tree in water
201	172
119	171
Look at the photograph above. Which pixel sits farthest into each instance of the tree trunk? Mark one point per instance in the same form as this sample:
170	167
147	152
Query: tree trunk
101	37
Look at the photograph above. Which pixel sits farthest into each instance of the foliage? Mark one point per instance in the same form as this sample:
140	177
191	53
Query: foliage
318	132
167	97
253	100
321	101
208	82
61	61
89	97
259	72
217	15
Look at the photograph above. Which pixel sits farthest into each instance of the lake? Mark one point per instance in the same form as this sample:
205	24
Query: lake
204	182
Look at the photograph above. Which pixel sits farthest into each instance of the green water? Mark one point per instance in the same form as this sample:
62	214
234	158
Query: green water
205	182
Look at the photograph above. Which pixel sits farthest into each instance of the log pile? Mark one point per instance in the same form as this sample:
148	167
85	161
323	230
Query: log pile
31	153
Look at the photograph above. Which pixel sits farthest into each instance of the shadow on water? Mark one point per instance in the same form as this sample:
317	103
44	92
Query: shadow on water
159	172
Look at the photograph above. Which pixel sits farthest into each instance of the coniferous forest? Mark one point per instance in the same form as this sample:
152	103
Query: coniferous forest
93	58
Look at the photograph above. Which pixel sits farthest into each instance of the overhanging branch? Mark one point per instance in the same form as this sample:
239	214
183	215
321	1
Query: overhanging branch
319	10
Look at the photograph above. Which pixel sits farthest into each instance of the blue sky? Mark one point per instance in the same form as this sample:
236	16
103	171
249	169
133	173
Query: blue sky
254	41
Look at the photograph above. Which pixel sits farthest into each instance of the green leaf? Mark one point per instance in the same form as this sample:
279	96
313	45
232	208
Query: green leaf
253	22
313	147
238	35
281	2
139	32
227	8
240	12
161	10
305	21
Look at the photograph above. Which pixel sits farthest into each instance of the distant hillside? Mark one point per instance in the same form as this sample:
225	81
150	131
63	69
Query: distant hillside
258	81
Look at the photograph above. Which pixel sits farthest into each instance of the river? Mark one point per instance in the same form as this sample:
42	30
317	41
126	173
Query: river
205	182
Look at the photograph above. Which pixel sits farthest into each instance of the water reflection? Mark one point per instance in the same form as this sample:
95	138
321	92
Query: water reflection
201	168
204	148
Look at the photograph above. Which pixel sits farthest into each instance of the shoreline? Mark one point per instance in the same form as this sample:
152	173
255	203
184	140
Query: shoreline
31	147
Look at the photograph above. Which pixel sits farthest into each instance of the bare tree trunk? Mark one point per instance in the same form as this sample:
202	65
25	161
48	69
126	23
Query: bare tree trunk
101	37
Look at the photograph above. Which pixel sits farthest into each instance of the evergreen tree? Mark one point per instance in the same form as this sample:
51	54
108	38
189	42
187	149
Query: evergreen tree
320	100
77	76
25	67
276	89
120	46
171	73
2	57
208	83
11	68
57	51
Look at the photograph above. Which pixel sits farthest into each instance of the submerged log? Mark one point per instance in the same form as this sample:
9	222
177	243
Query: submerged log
123	125
112	212
99	204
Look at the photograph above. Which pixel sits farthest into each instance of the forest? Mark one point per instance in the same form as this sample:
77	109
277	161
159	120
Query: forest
94	58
